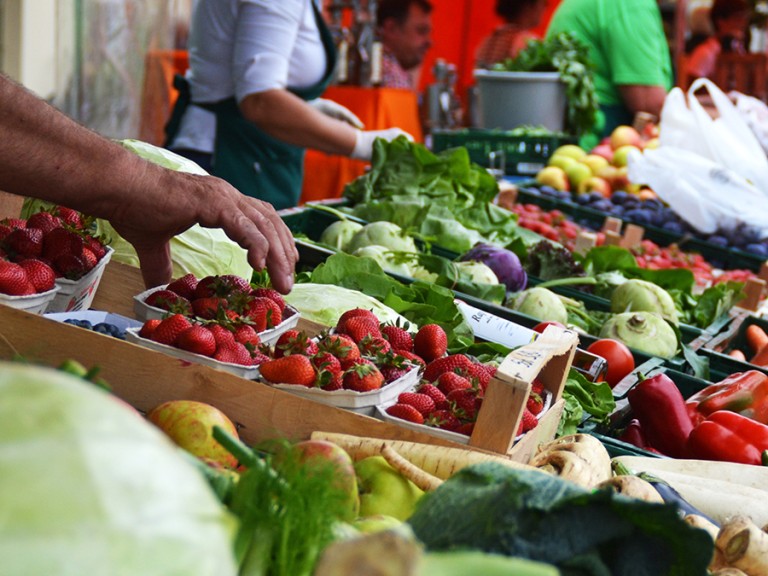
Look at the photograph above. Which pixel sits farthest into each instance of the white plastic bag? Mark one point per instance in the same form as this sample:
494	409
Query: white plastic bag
707	195
727	139
755	113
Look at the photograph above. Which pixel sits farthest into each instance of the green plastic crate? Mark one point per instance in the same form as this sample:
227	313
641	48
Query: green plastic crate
521	155
734	338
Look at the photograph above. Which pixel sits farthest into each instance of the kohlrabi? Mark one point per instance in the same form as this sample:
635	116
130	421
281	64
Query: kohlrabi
642	296
644	331
338	234
477	272
383	256
541	303
382	233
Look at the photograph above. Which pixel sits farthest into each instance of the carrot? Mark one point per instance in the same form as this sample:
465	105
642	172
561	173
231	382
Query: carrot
756	338
422	479
440	461
738	355
761	358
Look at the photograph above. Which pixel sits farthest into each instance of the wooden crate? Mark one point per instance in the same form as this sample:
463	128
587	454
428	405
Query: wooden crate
145	378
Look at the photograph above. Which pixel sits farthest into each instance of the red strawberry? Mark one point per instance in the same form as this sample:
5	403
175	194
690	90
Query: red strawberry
293	369
326	361
169	329
246	334
167	300
69	216
70	266
224	337
341	346
198	340
392	373
358	327
452	363
450	381
329	371
95	245
4	231
444	419
331	382
534	404
89	258
14	223
405	412
537	386
13	280
363	376
259	358
208	308
264	313
61	241
149	327
294	342
272	294
479	373
356	312
414	359
466	428
44	221
237	353
399	338
42	276
422	402
430	342
25	243
441	402
374	345
184	286
223	286
528	422
233	284
465	402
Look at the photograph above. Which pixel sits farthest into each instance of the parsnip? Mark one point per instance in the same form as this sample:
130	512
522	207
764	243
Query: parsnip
566	465
744	474
422	479
440	461
728	572
717	562
633	487
744	546
580	458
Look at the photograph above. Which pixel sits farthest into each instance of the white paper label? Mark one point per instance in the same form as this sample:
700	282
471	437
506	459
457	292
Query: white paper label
487	326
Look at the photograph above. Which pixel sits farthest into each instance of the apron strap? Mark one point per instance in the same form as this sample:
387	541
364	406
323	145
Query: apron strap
182	103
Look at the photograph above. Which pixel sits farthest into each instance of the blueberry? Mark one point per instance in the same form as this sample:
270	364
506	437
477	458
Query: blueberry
85	324
631	203
619	197
71	321
658	218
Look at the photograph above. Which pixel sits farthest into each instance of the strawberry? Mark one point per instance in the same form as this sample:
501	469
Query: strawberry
259	358
528	422
441	402
13	280
237	353
430	342
14	223
169	329
208	308
61	241
341	346
331	382
405	412
535	403
4	231
363	376
392	373
413	358
329	371
44	221
184	286
246	334
479	373
326	361
89	258
358	327
398	338
465	402
293	369
294	342
95	245
69	216
356	312
224	337
42	276
225	285
444	419
233	284
272	294
373	345
422	402
25	243
198	340
452	363
70	266
264	313
149	327
466	428
450	381
537	386
167	300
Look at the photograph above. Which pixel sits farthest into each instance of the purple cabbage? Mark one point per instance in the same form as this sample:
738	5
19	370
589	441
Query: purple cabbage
504	263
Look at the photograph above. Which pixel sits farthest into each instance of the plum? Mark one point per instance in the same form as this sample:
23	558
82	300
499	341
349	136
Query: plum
674	226
639	216
619	197
760	250
718	240
603	205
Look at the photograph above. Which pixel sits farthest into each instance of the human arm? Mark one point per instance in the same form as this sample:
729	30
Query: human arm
47	155
639	98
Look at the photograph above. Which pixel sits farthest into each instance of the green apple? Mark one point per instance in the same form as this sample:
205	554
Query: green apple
190	425
376	523
621	155
561	161
553	176
577	173
572	150
383	490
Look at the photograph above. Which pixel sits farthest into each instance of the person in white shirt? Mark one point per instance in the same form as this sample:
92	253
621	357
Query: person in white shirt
257	70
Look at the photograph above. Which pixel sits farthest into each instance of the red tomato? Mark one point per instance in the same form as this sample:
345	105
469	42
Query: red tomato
541	325
618	357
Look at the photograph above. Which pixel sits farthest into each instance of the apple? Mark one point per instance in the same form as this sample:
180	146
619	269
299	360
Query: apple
554	177
620	179
596	184
376	523
595	162
621	155
652	143
190	425
607	173
346	476
625	136
561	161
383	490
577	173
572	150
603	150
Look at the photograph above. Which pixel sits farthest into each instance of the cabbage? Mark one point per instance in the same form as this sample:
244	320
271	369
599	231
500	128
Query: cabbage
382	234
383	256
504	263
325	303
89	487
162	156
340	233
477	272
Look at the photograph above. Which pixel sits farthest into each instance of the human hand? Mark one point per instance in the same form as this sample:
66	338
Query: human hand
337	111
363	149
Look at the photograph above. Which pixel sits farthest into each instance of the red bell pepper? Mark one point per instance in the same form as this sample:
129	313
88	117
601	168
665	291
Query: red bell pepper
660	407
729	437
742	392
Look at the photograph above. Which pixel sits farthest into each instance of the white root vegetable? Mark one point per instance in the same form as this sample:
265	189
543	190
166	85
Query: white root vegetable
633	487
728	572
744	546
697	521
580	458
744	474
422	479
566	465
384	553
440	461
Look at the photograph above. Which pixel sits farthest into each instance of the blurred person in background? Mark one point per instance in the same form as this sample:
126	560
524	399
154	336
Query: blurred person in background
520	18
405	30
633	67
250	102
730	22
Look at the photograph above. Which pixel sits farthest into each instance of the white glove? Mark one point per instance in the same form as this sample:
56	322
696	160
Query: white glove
363	149
336	110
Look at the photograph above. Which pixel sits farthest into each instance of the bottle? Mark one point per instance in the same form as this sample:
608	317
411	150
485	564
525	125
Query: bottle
343	62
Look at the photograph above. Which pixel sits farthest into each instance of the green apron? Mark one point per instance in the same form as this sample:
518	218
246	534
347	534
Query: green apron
252	161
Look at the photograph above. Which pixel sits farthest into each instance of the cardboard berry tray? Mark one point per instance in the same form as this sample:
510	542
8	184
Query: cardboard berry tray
74	295
33	303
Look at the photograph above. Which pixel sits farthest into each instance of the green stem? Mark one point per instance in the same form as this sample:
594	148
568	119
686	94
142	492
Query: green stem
621	469
234	446
324	208
575	280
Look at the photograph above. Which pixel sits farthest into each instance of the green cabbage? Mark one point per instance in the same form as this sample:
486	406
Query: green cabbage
325	303
89	487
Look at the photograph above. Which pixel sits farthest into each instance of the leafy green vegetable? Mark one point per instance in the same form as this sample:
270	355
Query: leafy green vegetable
533	515
566	54
548	261
594	398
